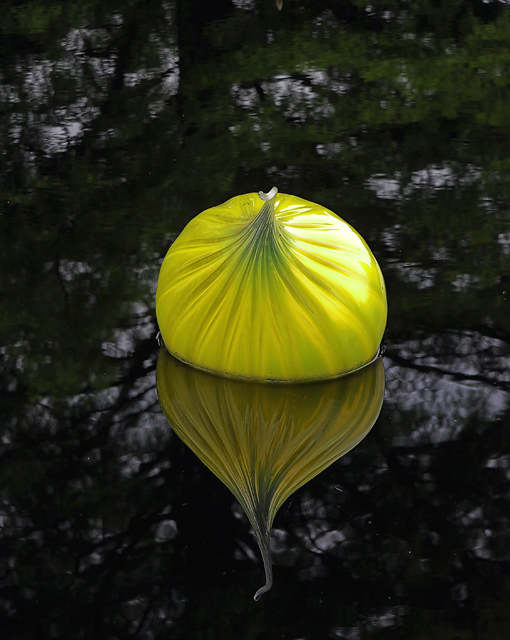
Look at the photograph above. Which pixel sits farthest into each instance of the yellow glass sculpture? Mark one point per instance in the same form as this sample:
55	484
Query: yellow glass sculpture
265	441
271	288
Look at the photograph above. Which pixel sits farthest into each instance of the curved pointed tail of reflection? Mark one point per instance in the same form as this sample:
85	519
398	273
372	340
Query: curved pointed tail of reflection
268	567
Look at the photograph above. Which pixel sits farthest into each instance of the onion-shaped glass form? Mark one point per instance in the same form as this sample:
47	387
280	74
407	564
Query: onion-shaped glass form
271	288
265	441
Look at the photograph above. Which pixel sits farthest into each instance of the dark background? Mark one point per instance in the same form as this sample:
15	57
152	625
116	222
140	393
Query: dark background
119	122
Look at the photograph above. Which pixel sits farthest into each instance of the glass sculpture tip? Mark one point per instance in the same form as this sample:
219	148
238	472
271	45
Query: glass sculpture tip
269	195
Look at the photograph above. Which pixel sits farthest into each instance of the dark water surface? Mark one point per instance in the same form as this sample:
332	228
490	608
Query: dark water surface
119	122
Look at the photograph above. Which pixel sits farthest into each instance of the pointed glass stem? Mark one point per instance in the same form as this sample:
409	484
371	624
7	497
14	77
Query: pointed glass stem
269	195
265	549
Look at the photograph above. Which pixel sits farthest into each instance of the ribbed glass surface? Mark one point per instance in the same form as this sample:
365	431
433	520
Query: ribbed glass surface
279	290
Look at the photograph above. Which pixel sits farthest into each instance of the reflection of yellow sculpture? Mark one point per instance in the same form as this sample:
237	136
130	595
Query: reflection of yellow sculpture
271	288
265	441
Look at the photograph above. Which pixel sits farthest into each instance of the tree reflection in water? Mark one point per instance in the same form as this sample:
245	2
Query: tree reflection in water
121	122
